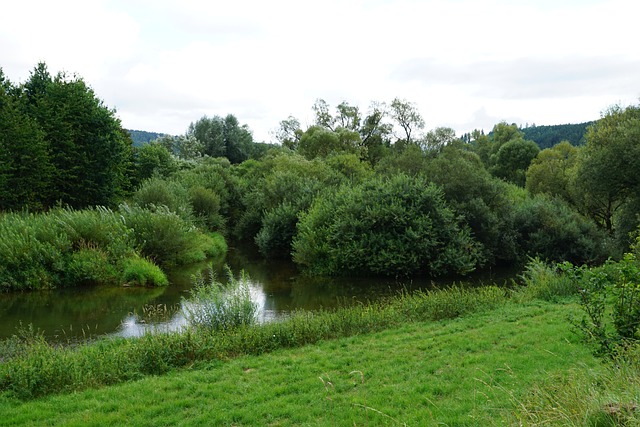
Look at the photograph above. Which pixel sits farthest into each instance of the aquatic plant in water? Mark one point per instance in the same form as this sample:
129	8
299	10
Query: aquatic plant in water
212	305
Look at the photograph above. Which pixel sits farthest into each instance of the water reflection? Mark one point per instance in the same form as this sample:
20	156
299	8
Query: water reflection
276	287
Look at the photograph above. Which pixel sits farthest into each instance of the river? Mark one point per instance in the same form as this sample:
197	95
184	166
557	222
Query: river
276	287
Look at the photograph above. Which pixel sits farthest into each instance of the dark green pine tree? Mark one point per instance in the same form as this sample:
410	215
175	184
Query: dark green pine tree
89	150
25	169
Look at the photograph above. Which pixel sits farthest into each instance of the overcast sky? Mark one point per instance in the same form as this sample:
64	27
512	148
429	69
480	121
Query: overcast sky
466	64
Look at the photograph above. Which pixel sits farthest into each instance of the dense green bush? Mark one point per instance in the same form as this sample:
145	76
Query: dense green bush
206	208
164	192
480	198
166	238
276	191
398	226
278	228
551	229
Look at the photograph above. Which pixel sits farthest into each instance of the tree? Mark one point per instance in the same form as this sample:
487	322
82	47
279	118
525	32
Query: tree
435	140
607	172
25	169
223	137
210	132
552	170
408	118
289	133
318	141
478	197
348	117
238	140
88	148
513	159
151	159
323	116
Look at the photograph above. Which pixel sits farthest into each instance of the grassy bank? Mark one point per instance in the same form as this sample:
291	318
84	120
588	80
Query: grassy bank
480	356
474	370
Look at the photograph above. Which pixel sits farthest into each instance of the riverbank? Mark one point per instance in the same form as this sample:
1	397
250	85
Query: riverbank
474	370
474	356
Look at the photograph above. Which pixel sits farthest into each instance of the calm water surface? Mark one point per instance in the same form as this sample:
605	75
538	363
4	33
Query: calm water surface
275	286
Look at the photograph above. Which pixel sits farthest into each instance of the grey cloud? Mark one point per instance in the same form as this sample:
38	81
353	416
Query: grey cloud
530	78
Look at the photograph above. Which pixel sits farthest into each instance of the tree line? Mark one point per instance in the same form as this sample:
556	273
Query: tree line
355	192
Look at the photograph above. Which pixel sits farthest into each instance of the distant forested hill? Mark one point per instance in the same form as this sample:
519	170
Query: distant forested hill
548	136
140	137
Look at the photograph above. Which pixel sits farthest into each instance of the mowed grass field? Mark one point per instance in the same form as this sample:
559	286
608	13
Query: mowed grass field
481	369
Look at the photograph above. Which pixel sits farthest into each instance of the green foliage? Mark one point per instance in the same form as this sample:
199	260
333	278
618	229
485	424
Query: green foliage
87	147
216	307
62	248
512	160
152	159
606	176
286	182
277	231
395	227
90	265
548	282
320	142
25	166
164	192
411	161
553	170
480	198
206	207
142	272
610	299
164	237
551	229
548	136
222	137
407	116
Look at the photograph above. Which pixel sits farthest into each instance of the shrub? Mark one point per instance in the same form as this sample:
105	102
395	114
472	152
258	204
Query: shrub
610	299
206	207
399	226
163	236
157	192
215	307
278	227
551	229
140	271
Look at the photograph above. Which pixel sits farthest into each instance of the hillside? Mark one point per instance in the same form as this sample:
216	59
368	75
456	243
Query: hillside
548	136
140	137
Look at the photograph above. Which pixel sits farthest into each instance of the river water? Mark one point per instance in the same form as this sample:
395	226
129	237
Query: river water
276	287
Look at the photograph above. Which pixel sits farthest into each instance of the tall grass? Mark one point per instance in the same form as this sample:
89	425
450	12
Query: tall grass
605	397
216	307
61	248
548	282
67	247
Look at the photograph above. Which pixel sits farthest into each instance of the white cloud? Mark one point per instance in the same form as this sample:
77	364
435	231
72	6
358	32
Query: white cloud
165	63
